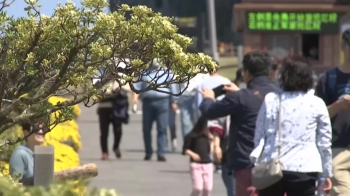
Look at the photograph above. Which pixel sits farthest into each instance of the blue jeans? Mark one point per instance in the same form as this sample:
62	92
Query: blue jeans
155	110
186	106
229	180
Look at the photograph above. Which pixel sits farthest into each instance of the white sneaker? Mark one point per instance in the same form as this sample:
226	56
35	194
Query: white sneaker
174	145
219	171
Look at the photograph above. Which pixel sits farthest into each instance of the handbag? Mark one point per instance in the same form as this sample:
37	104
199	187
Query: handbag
269	173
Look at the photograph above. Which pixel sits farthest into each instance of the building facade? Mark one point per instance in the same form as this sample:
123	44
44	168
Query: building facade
310	28
191	17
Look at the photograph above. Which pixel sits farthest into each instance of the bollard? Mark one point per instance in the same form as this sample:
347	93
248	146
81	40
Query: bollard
43	165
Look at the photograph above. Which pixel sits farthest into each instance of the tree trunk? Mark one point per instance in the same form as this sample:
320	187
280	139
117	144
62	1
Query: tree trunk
80	172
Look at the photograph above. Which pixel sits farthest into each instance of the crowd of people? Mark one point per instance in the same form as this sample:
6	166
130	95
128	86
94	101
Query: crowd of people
276	120
276	130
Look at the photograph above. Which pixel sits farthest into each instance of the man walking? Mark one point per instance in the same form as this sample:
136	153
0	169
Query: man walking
186	103
155	107
243	106
334	88
214	80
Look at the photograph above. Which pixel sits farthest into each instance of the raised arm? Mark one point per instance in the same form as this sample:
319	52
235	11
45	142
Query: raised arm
324	139
215	109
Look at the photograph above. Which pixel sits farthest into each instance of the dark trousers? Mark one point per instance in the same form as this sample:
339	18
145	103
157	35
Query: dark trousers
155	110
172	123
105	119
293	184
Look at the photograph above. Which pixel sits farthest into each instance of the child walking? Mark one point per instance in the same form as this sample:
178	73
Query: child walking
198	145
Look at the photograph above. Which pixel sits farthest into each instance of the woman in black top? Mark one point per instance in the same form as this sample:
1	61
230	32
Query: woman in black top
198	145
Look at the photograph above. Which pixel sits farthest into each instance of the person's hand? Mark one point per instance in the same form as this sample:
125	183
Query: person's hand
327	185
230	87
217	155
207	93
174	106
345	102
195	157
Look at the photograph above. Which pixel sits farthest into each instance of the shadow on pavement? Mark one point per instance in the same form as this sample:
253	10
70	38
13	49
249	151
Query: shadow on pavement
175	171
142	151
111	159
134	150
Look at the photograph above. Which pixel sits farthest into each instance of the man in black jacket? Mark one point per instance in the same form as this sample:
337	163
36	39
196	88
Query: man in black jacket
243	106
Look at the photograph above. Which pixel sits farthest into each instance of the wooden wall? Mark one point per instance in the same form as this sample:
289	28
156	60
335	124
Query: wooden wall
329	49
252	42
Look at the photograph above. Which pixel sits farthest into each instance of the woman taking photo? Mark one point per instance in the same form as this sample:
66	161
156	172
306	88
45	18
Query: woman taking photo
294	127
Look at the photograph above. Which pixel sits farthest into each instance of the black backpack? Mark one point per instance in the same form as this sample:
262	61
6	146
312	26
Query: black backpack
121	107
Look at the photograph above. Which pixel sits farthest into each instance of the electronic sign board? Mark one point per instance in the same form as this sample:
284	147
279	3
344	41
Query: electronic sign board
306	22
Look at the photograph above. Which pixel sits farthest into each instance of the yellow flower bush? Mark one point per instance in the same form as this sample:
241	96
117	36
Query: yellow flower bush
54	100
65	156
4	168
64	137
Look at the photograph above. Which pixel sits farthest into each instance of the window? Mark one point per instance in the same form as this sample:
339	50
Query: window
310	46
278	45
283	45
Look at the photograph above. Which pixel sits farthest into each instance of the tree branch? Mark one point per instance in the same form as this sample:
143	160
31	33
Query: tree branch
24	116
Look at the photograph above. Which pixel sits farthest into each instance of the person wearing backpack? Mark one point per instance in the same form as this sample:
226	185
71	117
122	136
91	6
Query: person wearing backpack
113	110
334	88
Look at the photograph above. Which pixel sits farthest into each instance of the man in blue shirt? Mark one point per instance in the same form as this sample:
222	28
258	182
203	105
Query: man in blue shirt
155	107
215	80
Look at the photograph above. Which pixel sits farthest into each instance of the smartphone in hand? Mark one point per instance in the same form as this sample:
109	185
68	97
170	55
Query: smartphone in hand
219	90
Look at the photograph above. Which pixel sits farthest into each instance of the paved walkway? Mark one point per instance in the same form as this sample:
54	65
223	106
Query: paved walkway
131	176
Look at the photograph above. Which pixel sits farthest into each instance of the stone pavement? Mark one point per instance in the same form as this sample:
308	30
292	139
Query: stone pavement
131	176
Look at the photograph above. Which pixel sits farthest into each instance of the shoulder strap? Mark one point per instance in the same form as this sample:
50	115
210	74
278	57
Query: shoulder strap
279	126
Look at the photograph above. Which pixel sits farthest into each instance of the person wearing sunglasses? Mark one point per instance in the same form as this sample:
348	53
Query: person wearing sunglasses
22	158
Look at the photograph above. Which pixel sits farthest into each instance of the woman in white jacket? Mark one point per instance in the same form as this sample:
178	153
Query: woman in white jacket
305	142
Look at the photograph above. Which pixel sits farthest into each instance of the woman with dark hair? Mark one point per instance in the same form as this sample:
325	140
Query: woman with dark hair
294	127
